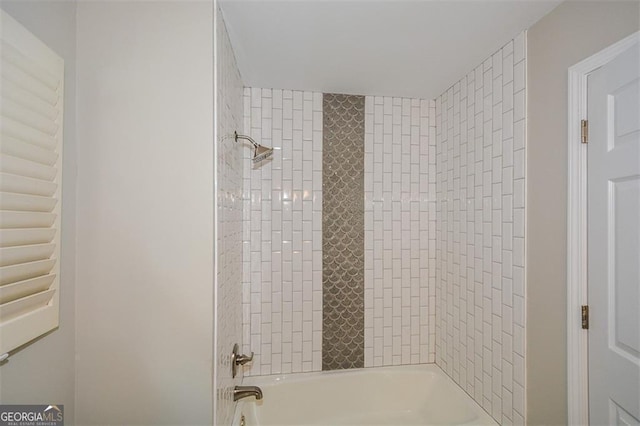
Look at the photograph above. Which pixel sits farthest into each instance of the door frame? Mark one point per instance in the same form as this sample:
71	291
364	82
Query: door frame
577	338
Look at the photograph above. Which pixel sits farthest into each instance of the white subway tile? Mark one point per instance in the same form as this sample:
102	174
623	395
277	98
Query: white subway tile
285	218
477	243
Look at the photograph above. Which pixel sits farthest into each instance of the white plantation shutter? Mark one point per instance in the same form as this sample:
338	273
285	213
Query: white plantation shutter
31	95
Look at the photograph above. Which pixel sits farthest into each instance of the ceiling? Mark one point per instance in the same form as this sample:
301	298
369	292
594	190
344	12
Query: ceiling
407	48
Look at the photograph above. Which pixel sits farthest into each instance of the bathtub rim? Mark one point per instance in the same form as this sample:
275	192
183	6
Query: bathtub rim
270	379
430	369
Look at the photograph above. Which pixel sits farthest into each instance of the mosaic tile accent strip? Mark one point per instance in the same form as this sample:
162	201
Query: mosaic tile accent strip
343	232
480	288
400	231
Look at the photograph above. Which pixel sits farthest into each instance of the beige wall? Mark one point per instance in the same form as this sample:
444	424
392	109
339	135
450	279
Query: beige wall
145	213
572	32
42	372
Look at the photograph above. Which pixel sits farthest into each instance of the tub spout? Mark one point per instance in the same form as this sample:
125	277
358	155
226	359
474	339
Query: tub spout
240	392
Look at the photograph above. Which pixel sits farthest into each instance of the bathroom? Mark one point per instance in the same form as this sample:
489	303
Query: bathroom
174	248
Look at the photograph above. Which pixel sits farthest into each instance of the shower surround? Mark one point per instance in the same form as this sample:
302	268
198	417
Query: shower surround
443	225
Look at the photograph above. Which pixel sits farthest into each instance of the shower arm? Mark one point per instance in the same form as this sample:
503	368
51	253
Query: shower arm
247	138
259	152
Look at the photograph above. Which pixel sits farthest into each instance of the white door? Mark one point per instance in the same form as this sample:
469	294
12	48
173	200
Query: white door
614	241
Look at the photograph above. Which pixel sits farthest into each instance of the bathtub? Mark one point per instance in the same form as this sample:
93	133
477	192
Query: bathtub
407	395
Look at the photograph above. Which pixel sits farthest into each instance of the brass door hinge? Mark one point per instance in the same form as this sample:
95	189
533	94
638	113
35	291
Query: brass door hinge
585	317
584	131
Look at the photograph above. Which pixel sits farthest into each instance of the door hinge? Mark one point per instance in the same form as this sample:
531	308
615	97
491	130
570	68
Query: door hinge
584	131
585	317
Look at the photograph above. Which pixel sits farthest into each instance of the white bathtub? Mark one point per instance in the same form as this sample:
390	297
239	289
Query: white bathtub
407	395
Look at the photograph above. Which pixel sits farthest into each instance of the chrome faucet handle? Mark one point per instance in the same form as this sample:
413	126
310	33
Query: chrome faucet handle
243	359
237	359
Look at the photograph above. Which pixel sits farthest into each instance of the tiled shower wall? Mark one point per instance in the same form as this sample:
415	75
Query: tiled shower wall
480	163
282	293
399	231
282	287
229	231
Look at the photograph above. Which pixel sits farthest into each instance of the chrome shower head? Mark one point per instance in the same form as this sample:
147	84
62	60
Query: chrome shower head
260	152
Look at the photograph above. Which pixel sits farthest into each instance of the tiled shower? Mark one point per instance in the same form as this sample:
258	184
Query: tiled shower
417	205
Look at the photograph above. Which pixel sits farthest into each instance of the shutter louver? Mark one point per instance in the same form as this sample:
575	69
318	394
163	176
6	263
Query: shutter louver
31	113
